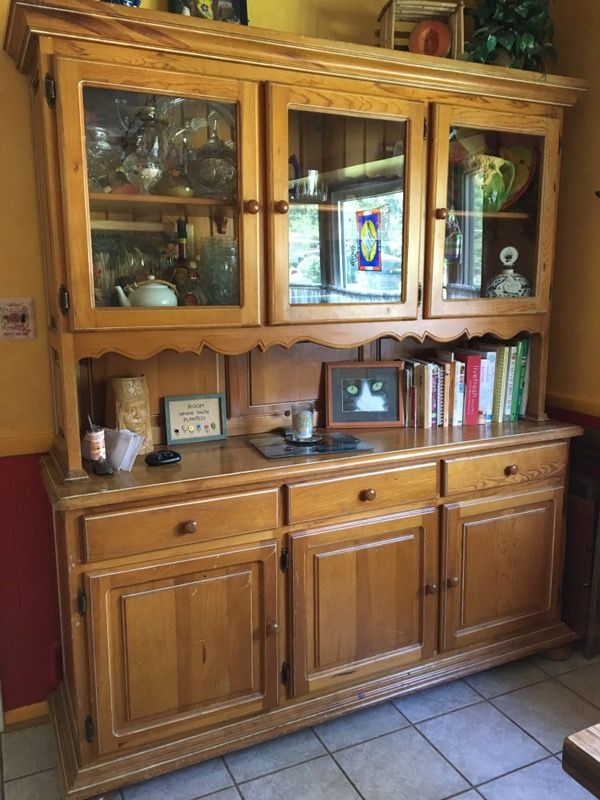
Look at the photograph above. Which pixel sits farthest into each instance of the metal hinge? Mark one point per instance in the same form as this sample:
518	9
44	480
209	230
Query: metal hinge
284	559
82	604
420	294
35	81
425	129
50	88
560	143
64	302
90	731
285	673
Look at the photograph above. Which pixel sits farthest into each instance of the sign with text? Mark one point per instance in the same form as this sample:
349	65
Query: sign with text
195	418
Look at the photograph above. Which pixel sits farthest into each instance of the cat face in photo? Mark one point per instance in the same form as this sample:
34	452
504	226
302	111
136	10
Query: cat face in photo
364	394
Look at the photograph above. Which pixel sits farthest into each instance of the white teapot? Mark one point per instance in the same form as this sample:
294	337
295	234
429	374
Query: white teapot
152	292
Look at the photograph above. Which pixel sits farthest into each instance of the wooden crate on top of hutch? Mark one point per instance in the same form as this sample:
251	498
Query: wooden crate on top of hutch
398	18
188	242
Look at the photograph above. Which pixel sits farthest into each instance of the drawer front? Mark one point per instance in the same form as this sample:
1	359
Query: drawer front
508	468
369	492
141	530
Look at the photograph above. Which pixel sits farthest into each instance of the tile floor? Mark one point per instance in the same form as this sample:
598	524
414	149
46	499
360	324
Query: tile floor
495	735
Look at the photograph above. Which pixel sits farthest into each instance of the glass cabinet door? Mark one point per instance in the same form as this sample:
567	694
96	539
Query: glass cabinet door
345	191
491	225
157	176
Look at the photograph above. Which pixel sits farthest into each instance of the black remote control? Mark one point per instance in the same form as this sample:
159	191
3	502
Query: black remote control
160	457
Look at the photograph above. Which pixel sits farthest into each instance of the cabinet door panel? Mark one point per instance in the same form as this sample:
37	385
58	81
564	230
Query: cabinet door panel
360	600
178	645
490	231
501	567
345	175
152	161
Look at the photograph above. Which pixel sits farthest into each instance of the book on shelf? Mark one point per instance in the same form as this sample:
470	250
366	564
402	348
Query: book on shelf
486	378
525	388
472	361
444	392
510	381
522	359
455	377
410	407
422	372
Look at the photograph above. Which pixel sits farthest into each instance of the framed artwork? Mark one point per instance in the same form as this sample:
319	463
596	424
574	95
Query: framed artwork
364	394
235	11
195	418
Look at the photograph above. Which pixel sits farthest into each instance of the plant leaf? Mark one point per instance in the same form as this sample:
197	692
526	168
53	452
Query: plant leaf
507	40
491	43
523	9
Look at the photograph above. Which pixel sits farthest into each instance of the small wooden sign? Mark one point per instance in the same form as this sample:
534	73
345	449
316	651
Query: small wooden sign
195	418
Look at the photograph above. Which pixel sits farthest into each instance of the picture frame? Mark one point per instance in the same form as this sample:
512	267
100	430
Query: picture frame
235	11
195	418
364	394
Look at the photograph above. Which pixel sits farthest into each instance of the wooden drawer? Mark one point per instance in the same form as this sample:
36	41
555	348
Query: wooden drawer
369	492
508	468
141	530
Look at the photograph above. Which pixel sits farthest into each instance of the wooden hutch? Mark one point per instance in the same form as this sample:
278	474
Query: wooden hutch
231	598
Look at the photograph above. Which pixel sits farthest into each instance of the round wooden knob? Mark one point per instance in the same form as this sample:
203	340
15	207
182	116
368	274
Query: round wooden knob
451	582
252	206
431	588
282	207
512	469
441	213
191	526
368	494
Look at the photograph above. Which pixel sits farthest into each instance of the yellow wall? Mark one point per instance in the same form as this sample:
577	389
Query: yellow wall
25	398
574	375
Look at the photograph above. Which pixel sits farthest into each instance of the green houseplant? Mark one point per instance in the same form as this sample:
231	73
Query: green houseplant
513	33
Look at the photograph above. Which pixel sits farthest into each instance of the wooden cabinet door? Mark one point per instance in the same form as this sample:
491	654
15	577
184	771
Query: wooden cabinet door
178	645
493	189
195	140
501	567
345	203
364	599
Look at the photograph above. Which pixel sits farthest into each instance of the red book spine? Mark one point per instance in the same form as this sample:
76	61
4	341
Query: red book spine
472	381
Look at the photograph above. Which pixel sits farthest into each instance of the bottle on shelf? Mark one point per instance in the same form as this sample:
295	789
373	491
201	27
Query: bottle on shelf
181	271
192	294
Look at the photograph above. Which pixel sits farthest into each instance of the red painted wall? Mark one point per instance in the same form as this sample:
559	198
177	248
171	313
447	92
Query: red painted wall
29	627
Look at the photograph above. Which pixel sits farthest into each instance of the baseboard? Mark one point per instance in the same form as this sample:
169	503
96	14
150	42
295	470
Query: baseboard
25	715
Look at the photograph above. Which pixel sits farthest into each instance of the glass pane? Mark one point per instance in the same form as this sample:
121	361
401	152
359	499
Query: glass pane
346	193
162	179
491	244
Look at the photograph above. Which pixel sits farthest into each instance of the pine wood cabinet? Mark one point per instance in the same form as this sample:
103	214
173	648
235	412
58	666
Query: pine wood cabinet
364	599
229	598
501	566
181	644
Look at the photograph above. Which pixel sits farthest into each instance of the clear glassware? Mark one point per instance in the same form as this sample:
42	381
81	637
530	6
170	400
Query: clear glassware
212	168
102	155
143	168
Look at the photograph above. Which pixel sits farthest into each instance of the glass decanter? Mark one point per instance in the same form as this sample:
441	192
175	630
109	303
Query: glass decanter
212	168
143	167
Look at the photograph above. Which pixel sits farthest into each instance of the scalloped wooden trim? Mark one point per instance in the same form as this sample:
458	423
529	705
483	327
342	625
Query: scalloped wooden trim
139	345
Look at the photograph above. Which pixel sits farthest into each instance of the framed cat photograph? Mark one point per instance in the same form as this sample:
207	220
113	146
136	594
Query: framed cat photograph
364	394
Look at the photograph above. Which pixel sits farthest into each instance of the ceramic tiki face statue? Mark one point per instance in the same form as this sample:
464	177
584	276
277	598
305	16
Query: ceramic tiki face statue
129	403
